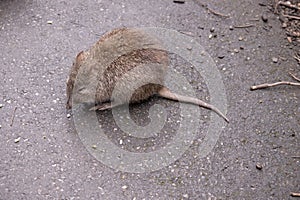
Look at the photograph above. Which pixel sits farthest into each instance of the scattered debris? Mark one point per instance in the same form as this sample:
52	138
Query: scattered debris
211	10
275	60
264	17
262	4
294	77
187	33
17	140
244	26
295	156
221	56
217	13
179	1
259	166
287	4
289	11
267	85
13	117
291	16
124	187
295	194
297	57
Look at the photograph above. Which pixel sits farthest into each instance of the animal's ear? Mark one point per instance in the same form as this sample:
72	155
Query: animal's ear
80	57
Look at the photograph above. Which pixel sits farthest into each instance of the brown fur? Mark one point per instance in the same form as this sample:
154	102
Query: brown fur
122	54
116	53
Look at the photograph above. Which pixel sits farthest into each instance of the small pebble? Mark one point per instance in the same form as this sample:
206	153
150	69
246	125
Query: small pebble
242	48
221	56
264	17
231	28
259	166
68	115
235	50
189	48
212	29
210	36
49	22
1	105
186	196
275	60
241	38
17	139
94	146
284	25
124	187
0	126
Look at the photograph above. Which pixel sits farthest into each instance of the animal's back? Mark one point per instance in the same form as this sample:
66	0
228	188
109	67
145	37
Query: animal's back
139	66
115	54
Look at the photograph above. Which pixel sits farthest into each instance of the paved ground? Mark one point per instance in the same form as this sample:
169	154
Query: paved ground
42	156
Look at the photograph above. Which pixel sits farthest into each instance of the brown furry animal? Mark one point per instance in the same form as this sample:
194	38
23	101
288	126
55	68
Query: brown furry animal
122	54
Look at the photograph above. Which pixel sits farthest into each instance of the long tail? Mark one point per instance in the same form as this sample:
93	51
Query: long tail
166	93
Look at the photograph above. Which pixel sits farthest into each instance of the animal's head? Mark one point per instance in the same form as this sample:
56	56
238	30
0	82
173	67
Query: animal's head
80	81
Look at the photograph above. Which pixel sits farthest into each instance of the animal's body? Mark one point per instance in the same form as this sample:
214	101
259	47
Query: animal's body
96	72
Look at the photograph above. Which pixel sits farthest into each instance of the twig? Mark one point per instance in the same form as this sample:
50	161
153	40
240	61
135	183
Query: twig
295	194
13	117
254	19
244	26
295	156
287	5
291	16
187	33
179	1
77	24
267	85
209	9
297	57
216	13
294	77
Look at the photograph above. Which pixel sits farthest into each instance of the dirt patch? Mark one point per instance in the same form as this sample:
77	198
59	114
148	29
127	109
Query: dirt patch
289	13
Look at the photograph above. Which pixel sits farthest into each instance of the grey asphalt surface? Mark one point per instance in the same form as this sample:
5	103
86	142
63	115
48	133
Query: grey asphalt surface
42	156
